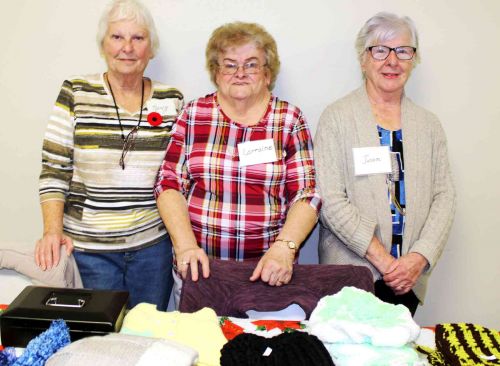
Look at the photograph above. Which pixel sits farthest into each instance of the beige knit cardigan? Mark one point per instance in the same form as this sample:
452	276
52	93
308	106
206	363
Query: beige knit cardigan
356	207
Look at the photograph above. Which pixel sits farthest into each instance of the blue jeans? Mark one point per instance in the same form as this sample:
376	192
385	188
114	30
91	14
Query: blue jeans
145	273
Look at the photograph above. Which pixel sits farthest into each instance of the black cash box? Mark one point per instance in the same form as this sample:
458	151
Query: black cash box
86	312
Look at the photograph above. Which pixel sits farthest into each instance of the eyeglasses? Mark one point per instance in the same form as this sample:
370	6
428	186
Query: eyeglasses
392	191
249	68
128	144
392	178
380	53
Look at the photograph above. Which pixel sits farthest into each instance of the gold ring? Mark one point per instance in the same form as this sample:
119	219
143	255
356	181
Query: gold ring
184	263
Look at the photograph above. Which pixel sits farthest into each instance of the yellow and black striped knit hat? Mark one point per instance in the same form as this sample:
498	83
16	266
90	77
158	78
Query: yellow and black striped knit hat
464	344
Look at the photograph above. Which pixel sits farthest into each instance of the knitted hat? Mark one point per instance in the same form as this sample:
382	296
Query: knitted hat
464	344
468	344
291	349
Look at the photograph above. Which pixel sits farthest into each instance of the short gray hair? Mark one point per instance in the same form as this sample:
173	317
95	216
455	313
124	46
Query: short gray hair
385	26
118	10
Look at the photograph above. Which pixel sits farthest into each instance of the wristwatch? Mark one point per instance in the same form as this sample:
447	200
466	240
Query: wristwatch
289	243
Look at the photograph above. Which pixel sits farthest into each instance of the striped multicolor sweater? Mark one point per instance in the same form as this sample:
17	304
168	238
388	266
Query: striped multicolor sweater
106	207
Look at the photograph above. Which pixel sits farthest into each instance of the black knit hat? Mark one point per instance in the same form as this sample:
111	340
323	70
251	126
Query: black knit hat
291	349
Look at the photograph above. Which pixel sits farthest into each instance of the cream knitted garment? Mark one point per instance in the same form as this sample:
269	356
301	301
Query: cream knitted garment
199	330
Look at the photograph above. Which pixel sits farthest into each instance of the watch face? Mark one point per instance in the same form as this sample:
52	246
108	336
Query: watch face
289	243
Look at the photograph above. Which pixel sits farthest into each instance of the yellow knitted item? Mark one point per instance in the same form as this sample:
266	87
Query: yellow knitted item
199	330
434	357
464	344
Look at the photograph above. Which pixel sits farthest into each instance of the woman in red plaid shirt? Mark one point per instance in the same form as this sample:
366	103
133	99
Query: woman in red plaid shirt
238	179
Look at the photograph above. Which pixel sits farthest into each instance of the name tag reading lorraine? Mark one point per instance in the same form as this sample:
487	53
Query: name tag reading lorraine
372	160
256	152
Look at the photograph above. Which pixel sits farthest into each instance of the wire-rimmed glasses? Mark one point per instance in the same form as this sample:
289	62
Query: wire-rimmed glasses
380	53
394	177
249	68
128	144
392	191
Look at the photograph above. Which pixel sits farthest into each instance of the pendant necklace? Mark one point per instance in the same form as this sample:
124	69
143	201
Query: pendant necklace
129	141
116	107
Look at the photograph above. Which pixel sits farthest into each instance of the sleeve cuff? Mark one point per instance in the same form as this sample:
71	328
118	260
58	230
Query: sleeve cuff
362	236
52	197
310	196
428	251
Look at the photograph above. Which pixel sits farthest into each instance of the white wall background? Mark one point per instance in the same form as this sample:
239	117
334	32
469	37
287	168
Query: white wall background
458	79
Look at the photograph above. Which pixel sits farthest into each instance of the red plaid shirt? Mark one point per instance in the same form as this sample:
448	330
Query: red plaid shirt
237	212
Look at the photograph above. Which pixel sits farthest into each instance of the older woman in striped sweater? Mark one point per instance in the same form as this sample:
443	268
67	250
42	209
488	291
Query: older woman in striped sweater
103	146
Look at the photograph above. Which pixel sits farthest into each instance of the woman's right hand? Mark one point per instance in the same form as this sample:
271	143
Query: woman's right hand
187	251
189	258
378	256
47	250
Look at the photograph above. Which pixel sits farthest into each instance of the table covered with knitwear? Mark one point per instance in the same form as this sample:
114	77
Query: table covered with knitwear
344	324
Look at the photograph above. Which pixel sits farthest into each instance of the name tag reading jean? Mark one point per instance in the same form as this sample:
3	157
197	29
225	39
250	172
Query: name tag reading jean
257	152
372	160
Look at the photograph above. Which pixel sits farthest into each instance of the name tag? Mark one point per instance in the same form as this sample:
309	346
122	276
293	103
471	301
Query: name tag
256	152
372	160
164	107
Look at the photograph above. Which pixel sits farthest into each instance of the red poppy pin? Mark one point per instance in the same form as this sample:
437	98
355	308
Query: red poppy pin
154	119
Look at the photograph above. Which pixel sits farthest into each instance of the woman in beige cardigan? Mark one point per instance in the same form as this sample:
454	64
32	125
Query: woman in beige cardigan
382	209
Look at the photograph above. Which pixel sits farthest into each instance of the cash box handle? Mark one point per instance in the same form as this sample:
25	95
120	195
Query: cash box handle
54	301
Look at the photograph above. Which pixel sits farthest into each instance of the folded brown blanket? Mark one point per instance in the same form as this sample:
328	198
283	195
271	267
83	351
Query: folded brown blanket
229	291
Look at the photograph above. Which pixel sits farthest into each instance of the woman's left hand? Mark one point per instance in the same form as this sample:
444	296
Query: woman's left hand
275	267
404	272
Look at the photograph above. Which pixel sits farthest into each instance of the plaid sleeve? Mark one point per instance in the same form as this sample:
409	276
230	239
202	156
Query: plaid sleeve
173	173
57	151
301	175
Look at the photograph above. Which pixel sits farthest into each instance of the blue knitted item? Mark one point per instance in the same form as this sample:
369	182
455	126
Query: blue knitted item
8	356
39	349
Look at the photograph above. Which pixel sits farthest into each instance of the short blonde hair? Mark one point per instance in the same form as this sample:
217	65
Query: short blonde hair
238	34
118	10
386	26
